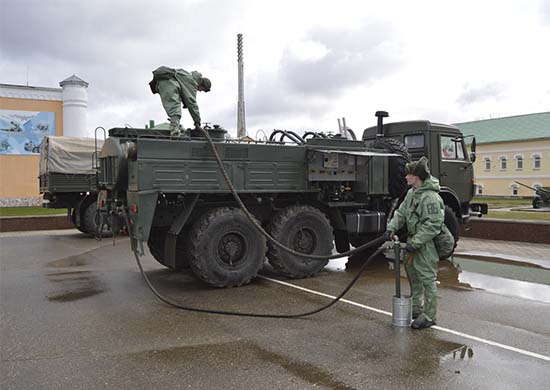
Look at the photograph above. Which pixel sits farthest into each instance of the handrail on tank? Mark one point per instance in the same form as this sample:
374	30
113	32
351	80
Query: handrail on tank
352	133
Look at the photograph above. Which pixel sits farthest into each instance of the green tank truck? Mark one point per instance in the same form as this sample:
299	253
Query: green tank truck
68	180
542	196
311	193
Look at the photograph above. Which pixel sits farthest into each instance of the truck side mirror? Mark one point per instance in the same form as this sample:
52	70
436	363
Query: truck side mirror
473	150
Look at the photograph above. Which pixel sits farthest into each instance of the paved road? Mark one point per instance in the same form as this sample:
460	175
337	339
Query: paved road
75	314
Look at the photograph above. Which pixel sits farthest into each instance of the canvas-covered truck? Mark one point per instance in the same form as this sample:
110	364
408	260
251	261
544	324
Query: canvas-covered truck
310	194
68	179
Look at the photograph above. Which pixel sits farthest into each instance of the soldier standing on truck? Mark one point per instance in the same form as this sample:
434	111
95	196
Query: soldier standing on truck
423	213
177	86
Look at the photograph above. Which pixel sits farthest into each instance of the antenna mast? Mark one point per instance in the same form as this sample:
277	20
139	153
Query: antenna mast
241	125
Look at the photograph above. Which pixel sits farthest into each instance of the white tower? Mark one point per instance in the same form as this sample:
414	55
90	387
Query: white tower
75	107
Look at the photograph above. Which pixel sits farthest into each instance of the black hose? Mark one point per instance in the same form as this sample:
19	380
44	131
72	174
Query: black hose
243	314
271	239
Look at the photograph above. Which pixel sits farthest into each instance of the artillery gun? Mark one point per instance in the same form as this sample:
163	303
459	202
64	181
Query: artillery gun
310	193
542	196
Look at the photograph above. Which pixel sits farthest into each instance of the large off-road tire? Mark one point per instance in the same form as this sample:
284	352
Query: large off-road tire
156	244
397	186
90	220
304	229
73	220
226	250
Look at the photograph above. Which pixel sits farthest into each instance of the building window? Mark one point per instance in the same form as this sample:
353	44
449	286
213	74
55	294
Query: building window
487	161
536	161
519	162
503	163
479	189
514	188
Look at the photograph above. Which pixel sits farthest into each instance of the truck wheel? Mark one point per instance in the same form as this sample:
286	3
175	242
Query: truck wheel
397	184
452	224
304	229
73	220
156	244
90	221
226	250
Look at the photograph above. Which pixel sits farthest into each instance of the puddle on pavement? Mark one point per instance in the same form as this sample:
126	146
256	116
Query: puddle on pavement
462	353
78	260
502	276
73	285
510	287
222	353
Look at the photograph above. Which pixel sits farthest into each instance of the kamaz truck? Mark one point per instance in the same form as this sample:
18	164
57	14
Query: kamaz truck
68	180
310	193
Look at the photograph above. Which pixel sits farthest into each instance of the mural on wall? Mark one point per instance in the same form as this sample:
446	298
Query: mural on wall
21	132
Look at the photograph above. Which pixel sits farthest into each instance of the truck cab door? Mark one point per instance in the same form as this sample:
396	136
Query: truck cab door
455	169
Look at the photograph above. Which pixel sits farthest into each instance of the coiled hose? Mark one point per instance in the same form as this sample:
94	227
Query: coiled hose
258	227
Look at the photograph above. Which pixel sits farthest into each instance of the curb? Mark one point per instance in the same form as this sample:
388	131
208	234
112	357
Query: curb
38	222
485	228
508	230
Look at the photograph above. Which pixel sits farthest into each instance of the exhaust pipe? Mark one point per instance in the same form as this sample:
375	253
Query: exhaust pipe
381	115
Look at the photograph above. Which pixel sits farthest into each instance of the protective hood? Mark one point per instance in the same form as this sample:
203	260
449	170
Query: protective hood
431	183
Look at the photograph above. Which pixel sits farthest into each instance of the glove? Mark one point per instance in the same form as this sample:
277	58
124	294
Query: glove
410	249
388	235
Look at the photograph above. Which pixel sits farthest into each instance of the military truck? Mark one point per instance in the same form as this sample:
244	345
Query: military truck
309	194
68	180
445	147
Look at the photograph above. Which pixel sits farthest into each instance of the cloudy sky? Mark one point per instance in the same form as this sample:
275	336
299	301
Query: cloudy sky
307	63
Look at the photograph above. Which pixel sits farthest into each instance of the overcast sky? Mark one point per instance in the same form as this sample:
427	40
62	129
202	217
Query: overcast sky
307	63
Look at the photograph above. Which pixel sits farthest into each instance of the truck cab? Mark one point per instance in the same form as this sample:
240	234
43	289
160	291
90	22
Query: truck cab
449	161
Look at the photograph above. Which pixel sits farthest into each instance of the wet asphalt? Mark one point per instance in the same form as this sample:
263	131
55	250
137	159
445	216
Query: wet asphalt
76	314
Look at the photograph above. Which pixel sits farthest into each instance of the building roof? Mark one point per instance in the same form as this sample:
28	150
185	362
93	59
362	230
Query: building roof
511	128
29	92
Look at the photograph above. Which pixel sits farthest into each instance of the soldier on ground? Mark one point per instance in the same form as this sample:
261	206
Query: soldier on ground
177	87
422	212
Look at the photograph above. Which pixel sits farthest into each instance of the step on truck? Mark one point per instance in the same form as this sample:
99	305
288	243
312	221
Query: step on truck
312	193
68	180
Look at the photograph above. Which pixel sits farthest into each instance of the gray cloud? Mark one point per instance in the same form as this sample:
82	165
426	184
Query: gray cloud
354	57
112	45
472	95
545	11
309	88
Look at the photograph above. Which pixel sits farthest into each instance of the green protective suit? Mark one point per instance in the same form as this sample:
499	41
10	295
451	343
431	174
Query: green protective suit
177	87
423	213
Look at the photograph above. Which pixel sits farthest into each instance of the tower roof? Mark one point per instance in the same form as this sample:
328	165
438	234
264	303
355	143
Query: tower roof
73	80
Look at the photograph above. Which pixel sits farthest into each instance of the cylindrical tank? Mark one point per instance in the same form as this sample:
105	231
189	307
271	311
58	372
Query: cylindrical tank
75	107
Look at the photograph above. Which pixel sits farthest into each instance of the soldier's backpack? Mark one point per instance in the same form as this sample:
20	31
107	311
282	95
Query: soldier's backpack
444	243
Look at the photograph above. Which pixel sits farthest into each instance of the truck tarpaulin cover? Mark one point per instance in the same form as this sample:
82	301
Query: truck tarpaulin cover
68	155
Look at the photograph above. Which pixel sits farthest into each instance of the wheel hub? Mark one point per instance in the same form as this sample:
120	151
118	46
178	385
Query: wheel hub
231	248
304	241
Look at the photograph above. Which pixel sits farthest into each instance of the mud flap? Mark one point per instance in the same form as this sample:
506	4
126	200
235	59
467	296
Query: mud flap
142	207
175	229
